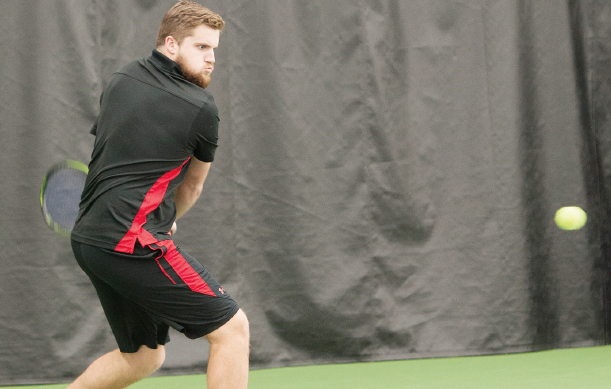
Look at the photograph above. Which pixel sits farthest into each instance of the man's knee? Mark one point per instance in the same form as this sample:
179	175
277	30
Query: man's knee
242	323
237	328
146	360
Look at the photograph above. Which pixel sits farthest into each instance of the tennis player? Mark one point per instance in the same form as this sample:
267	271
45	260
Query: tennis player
155	138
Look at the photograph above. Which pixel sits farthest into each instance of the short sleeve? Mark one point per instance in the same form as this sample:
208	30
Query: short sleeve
205	133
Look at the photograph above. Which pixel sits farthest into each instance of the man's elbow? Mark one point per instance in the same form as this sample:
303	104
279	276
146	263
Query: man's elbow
195	190
189	191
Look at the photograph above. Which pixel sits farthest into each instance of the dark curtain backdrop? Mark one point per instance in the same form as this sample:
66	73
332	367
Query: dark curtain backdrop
385	184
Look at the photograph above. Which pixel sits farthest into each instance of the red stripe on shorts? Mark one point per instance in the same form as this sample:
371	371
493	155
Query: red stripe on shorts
184	270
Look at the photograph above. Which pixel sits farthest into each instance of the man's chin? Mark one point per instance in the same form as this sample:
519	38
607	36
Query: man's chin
205	81
200	80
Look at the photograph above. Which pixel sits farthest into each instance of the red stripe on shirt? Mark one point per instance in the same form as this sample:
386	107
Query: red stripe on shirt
153	198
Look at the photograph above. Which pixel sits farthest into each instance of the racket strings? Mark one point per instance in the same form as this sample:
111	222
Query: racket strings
61	197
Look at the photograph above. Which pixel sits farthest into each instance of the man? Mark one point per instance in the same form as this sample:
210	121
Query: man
156	136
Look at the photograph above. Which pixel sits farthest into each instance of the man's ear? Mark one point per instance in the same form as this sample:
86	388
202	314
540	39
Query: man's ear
171	45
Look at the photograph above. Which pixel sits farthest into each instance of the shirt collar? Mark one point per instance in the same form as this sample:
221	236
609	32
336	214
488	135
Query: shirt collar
165	64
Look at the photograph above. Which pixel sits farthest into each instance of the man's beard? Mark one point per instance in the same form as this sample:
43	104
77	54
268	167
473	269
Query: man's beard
200	79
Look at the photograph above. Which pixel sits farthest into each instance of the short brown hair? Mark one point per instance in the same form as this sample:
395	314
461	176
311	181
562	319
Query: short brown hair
183	17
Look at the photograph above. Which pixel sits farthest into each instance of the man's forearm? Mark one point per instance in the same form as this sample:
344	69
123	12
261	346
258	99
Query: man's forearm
185	197
189	190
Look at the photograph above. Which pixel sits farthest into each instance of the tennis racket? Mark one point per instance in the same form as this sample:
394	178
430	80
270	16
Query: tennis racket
60	195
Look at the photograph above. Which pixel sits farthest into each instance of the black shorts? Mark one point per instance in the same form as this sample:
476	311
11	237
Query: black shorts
145	293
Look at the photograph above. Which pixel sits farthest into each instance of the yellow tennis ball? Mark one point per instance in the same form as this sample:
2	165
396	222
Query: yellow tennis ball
570	218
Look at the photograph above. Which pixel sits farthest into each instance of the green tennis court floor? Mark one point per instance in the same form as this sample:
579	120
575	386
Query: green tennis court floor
579	368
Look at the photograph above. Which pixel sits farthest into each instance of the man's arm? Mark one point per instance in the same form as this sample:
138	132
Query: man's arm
189	190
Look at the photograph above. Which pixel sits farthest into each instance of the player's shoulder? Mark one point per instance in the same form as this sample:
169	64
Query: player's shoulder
133	67
148	71
193	94
208	111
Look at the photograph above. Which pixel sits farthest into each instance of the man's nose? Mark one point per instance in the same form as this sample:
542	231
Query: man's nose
209	56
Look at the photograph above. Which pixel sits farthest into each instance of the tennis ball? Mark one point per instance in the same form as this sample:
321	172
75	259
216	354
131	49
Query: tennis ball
570	218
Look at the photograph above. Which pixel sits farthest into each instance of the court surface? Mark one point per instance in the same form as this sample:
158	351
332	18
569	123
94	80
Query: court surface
579	368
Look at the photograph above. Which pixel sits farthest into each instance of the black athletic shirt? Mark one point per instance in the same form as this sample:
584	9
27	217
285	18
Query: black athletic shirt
151	122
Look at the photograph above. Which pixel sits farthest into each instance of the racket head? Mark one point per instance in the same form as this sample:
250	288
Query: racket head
60	195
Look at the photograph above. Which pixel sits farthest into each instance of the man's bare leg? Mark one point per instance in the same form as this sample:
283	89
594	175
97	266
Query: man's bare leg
117	370
229	351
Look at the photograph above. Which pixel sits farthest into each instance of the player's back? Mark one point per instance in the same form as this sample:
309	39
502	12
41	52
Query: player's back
151	122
